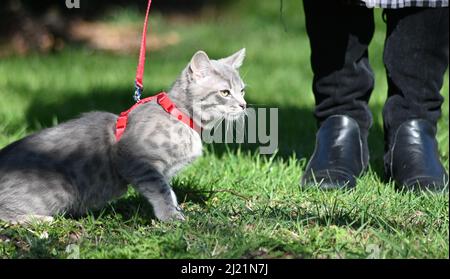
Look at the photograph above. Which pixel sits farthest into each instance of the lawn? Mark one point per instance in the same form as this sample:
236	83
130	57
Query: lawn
238	204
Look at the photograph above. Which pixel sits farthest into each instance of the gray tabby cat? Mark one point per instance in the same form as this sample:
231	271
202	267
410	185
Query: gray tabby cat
78	165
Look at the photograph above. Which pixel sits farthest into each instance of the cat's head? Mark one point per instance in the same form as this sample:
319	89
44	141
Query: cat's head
216	87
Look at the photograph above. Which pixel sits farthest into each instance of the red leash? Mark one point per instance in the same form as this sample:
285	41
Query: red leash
139	82
162	98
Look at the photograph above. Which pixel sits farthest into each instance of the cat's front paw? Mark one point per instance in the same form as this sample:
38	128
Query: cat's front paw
173	214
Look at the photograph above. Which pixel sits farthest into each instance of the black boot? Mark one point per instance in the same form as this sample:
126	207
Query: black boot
340	155
412	159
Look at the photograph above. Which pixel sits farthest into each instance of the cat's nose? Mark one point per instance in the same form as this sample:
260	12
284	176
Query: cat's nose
243	105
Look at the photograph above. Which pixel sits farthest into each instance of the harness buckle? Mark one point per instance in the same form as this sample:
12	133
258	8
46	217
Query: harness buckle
165	102
138	89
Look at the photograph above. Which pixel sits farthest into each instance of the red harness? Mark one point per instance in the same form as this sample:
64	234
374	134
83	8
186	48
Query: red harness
162	99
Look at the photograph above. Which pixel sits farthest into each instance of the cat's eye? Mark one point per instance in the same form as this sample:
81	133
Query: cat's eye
243	92
225	93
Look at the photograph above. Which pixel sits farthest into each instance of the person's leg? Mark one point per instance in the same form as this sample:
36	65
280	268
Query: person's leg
339	36
416	58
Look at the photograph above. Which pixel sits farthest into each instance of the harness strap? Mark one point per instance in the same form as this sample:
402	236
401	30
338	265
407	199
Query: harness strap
121	122
164	101
169	106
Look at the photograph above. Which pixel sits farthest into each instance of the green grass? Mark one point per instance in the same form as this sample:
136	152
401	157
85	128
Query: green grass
238	204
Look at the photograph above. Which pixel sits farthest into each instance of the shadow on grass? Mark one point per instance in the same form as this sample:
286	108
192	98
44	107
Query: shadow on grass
296	131
136	205
28	245
296	126
340	218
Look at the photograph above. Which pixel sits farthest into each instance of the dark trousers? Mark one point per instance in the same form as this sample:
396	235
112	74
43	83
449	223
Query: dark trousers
415	57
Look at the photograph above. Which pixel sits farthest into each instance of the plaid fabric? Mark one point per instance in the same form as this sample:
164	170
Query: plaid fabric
397	4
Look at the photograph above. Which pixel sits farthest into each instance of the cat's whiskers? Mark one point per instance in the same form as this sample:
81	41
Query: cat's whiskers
244	115
215	123
227	123
255	105
244	75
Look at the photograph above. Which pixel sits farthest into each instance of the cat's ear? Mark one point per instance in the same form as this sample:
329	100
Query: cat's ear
200	64
236	59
